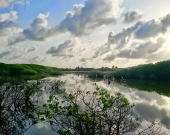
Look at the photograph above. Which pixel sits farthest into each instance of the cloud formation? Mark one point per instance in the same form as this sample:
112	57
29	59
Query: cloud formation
123	37
141	30
11	16
80	21
7	22
62	49
91	15
131	16
36	31
142	50
38	59
16	52
7	3
147	112
137	50
153	28
110	57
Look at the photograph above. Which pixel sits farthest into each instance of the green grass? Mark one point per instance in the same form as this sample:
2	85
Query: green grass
28	70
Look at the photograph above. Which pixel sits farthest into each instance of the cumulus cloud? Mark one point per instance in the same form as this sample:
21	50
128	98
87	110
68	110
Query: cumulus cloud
93	14
141	30
62	49
142	50
123	37
36	31
11	16
101	50
83	59
3	54
137	50
31	49
131	16
80	21
16	52
38	59
110	57
7	3
7	22
153	28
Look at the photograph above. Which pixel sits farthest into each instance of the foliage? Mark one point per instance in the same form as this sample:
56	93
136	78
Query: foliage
157	71
17	106
89	113
96	74
19	102
21	70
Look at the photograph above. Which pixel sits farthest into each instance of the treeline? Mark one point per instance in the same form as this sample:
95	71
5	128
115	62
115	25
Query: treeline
157	71
15	70
90	69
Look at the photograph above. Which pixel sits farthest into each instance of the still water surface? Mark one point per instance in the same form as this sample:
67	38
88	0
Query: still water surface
149	106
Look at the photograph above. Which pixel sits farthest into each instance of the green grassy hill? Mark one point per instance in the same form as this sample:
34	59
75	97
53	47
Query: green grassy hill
17	70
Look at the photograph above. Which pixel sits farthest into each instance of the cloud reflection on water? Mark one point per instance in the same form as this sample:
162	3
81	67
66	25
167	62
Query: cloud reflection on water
149	106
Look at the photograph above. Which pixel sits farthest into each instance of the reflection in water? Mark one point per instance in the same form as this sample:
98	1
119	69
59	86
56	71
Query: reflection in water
161	87
16	107
19	102
149	106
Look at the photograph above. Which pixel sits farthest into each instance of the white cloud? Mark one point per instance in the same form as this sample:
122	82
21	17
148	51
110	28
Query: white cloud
81	21
123	37
38	59
8	24
153	28
141	30
138	50
7	20
36	31
62	49
10	16
131	16
92	15
7	3
16	52
110	57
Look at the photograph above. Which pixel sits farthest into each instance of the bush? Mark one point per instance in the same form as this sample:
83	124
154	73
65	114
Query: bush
89	113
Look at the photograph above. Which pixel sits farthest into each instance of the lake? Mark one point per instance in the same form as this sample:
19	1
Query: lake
150	105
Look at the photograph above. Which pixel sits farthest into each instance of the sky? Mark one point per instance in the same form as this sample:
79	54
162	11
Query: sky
84	33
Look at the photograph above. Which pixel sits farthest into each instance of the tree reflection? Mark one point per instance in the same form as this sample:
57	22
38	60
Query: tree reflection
17	106
19	103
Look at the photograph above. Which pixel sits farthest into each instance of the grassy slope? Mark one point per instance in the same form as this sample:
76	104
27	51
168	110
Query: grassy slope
27	70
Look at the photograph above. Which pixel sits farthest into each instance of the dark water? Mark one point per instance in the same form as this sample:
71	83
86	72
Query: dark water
161	87
151	99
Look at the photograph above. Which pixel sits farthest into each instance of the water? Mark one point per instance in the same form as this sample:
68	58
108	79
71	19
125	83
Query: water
149	105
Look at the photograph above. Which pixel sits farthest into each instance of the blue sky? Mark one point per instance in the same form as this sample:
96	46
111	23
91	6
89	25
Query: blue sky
88	33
